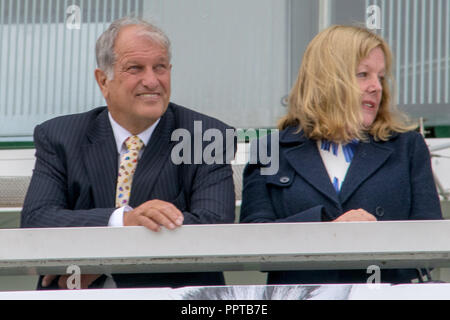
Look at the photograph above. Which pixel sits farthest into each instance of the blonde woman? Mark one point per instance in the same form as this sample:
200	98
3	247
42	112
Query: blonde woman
346	153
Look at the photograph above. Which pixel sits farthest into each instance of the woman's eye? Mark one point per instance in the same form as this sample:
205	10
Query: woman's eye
361	74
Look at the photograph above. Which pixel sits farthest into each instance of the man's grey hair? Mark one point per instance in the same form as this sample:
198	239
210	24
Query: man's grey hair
104	48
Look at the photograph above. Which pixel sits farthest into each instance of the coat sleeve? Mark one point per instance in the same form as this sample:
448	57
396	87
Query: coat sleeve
46	203
425	204
258	203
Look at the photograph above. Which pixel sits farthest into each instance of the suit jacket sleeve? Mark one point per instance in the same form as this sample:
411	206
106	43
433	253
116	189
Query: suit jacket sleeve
212	198
46	202
210	185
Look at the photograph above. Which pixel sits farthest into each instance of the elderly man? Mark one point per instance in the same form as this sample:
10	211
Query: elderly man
111	166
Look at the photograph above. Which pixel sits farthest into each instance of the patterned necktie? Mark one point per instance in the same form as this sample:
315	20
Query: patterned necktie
127	167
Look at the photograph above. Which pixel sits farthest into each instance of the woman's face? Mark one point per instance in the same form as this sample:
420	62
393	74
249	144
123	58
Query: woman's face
369	74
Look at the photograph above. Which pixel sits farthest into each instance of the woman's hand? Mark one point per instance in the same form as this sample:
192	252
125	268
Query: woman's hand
356	215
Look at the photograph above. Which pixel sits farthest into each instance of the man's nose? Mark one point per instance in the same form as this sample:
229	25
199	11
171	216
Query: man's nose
149	79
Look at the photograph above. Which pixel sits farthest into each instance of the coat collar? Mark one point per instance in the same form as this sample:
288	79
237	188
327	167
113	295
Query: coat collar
292	135
368	158
303	155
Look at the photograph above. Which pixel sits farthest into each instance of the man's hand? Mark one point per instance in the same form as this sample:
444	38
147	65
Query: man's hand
153	214
86	280
356	215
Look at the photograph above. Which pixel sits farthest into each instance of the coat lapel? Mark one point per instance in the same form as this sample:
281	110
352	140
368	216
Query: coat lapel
101	161
155	155
307	162
369	157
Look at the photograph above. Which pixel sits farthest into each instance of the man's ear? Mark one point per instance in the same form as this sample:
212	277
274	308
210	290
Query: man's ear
102	81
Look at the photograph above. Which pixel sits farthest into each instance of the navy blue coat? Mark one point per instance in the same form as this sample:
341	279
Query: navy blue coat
392	180
75	175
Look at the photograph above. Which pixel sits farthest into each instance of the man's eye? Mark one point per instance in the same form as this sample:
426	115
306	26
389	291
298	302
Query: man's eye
160	67
133	68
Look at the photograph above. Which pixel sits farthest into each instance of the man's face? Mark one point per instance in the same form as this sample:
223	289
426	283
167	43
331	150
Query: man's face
140	91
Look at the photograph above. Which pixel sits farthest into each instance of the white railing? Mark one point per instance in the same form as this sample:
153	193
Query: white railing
234	247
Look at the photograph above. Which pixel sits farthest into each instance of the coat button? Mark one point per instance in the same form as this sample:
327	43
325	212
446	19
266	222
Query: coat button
379	211
284	180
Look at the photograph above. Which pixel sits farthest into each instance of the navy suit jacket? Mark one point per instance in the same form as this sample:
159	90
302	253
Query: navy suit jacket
392	180
75	175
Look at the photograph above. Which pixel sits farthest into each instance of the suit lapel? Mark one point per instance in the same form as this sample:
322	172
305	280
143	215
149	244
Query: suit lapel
307	162
155	155
369	157
100	159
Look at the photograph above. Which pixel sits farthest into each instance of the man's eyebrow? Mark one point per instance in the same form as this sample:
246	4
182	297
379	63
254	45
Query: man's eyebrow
138	61
131	61
162	59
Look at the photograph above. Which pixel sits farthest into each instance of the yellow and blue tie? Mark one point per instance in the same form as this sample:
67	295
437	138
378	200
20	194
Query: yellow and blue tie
127	167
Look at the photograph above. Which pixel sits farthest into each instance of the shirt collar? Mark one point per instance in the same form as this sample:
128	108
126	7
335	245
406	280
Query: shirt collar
121	134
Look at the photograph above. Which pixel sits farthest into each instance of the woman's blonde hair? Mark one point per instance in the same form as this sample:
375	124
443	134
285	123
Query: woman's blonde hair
325	101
